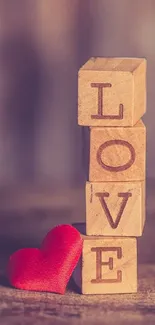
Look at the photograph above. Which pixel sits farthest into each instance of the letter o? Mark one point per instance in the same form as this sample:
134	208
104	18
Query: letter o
120	143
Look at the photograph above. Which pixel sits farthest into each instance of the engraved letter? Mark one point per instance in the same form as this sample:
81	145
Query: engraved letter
125	197
99	264
116	168
100	114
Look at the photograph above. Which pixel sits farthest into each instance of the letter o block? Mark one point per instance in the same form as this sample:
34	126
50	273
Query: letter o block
112	92
117	154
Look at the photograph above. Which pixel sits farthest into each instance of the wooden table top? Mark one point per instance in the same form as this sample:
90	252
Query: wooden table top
23	307
26	215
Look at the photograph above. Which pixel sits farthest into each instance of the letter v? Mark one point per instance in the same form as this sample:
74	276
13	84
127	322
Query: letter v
125	197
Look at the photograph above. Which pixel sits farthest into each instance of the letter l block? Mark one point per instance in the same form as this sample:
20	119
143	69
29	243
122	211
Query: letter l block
112	91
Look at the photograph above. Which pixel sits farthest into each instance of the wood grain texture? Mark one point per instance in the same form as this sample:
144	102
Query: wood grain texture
26	308
112	92
117	154
109	265
115	208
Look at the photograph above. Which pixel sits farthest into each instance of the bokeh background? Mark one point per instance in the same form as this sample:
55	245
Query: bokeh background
42	154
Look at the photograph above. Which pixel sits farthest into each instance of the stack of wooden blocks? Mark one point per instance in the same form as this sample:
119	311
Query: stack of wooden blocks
112	100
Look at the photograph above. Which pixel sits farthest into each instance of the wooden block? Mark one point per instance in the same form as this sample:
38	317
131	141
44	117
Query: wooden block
115	208
112	92
108	265
117	154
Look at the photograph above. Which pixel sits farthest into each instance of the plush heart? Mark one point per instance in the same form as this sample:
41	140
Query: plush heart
50	267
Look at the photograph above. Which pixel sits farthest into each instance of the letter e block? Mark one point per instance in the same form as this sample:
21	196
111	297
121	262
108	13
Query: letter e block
108	265
112	92
115	208
117	154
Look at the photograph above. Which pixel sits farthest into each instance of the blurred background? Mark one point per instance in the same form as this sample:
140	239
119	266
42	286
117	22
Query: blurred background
42	45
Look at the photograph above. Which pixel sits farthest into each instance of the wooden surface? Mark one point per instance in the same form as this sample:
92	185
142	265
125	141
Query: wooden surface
112	91
21	307
117	154
115	208
26	214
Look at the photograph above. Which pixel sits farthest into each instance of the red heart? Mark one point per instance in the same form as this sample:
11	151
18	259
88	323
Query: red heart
50	267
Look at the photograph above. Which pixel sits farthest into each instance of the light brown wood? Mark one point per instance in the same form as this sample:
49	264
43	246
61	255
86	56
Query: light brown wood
117	154
108	265
115	208
112	92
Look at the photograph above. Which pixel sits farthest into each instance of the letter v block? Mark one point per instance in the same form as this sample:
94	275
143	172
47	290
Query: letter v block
117	154
115	208
112	92
108	265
